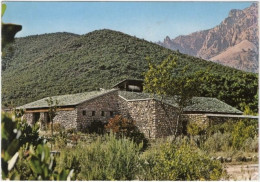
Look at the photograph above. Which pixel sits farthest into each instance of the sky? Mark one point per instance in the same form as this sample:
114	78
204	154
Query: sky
152	21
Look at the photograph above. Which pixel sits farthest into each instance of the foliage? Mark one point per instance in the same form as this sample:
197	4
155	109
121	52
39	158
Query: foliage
121	126
15	134
79	63
96	127
9	145
218	142
241	133
52	109
8	30
166	79
251	145
124	127
236	135
195	129
35	164
39	164
112	159
238	90
181	162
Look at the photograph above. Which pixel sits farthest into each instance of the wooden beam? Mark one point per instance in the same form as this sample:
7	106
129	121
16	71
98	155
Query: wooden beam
46	110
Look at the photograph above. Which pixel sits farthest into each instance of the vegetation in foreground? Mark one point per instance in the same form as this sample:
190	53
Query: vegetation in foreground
117	157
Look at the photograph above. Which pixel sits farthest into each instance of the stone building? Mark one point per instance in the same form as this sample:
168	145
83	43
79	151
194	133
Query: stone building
75	110
153	116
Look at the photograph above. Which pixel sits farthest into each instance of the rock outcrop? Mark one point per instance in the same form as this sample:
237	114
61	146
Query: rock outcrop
233	43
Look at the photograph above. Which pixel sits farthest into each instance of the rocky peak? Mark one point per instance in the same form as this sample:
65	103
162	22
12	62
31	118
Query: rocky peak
240	25
236	13
167	39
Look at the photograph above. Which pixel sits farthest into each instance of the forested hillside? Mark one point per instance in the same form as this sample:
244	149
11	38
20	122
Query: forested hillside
63	63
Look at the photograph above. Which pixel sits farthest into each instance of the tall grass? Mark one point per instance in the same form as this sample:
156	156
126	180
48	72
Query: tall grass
109	159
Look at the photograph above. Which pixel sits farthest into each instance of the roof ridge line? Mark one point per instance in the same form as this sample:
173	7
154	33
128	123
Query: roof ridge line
135	99
109	91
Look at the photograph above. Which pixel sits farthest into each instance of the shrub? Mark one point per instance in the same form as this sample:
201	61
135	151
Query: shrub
218	142
182	162
113	159
60	142
34	164
96	127
123	127
195	129
38	164
241	133
222	128
220	137
251	144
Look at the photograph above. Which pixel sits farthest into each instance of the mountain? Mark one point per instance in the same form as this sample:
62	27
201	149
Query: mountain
64	63
234	42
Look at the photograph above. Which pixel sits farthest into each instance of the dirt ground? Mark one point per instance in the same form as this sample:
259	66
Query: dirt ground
243	172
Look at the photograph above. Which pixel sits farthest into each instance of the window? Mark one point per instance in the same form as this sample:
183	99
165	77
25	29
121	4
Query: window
93	113
111	113
102	113
84	113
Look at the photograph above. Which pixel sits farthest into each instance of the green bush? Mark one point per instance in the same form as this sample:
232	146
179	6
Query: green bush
124	127
241	133
238	135
195	129
218	142
112	159
181	162
18	162
38	163
250	145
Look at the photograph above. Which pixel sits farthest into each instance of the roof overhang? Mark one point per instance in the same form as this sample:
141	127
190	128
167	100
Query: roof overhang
46	109
208	113
233	116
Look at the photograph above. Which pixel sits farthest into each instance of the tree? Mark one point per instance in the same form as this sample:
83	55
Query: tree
52	113
167	79
8	30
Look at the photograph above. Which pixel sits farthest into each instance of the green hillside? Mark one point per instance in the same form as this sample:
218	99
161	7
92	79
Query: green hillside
64	63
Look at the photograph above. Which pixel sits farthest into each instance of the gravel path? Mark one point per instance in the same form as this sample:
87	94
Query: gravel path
243	172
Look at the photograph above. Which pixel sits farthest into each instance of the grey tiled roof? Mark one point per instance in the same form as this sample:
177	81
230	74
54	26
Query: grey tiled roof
66	100
198	104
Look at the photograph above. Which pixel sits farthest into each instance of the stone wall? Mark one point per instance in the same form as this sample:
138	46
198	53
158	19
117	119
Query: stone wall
142	112
67	119
166	120
29	118
101	108
200	119
219	120
152	117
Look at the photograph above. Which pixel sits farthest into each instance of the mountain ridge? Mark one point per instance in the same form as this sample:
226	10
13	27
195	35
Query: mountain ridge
61	63
238	26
